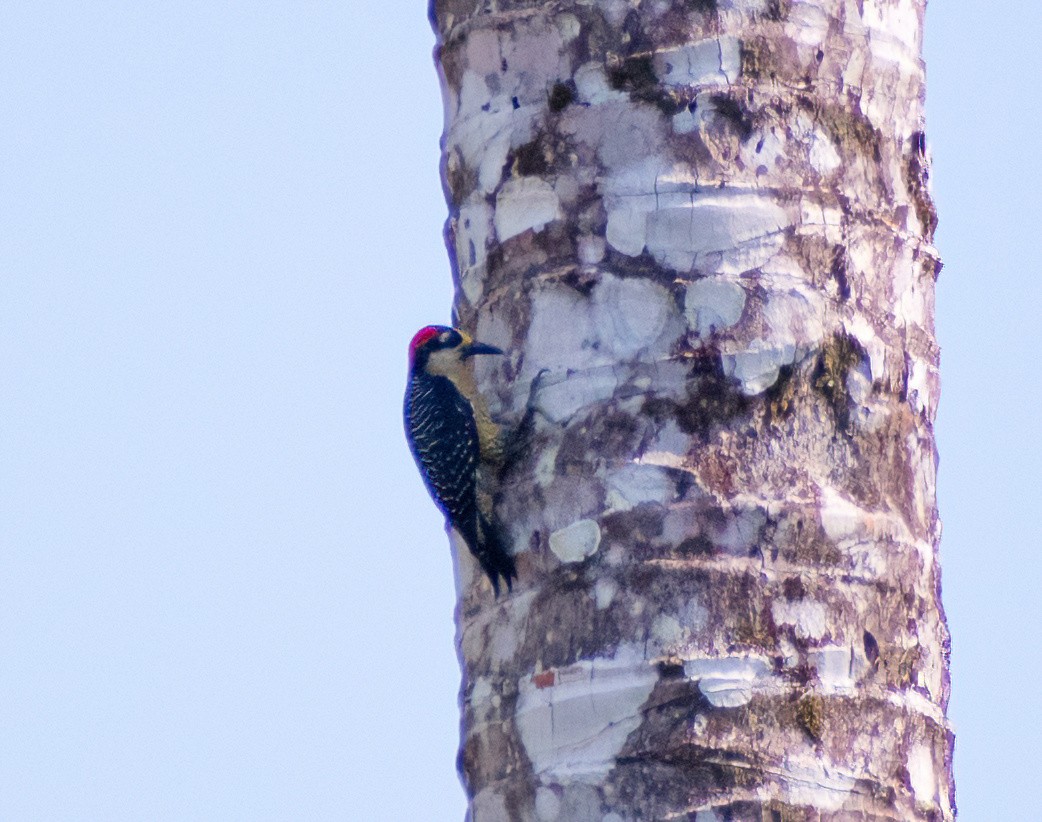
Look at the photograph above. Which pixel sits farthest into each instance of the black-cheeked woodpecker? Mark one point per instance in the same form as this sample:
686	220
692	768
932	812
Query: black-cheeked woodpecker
452	436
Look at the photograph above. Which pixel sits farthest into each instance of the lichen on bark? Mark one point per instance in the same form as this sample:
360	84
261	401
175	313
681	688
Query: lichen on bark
710	223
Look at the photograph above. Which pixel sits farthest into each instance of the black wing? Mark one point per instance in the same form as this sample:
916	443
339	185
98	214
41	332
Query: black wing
440	427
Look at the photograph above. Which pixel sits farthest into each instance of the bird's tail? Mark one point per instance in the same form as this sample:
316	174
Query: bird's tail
493	555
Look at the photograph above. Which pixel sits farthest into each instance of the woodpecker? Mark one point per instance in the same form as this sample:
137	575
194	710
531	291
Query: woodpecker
452	436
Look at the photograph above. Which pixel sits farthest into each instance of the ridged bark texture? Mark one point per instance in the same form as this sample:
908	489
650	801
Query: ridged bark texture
710	221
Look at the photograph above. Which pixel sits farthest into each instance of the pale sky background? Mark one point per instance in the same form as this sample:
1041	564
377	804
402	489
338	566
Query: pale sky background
224	594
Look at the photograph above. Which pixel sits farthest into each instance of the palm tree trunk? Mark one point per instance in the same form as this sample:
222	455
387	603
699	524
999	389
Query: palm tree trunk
710	220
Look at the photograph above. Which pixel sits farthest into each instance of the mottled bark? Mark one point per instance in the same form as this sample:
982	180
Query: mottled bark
710	220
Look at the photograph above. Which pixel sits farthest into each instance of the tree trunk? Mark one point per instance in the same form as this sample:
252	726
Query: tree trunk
710	220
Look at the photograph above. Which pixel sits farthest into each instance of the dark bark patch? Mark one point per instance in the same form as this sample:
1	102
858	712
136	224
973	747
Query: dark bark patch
459	180
576	627
643	266
757	59
699	546
712	397
701	765
871	648
810	716
633	32
616	434
753	622
633	74
561	96
776	10
793	588
734	113
838	272
572	453
640	524
917	181
670	669
582	281
837	358
781	395
807	544
636	76
899	665
611	435
531	159
850	129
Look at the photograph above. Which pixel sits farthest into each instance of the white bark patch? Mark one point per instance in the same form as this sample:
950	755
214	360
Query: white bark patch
547	805
483	129
758	367
593	87
574	721
666	632
591	250
631	315
525	203
808	23
823	155
897	20
822	220
561	336
560	401
840	518
501	95
489	804
502	641
861	330
845	523
568	26
483	53
793	316
919	387
817	784
720	231
746	8
473	228
496	629
762	154
562	339
604	591
465	565
805	615
544	467
615	11
922	775
739	532
833	666
480	699
633	484
669	447
627	230
717	62
576	542
713	304
790	653
727	682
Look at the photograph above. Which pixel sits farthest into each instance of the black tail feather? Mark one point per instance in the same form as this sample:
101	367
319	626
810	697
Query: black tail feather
493	556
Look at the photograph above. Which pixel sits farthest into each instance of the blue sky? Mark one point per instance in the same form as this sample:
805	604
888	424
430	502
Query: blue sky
223	591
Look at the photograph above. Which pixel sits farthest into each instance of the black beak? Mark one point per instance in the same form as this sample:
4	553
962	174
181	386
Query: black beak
479	348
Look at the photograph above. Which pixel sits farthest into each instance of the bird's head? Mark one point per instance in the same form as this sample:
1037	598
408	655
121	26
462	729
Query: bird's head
439	349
